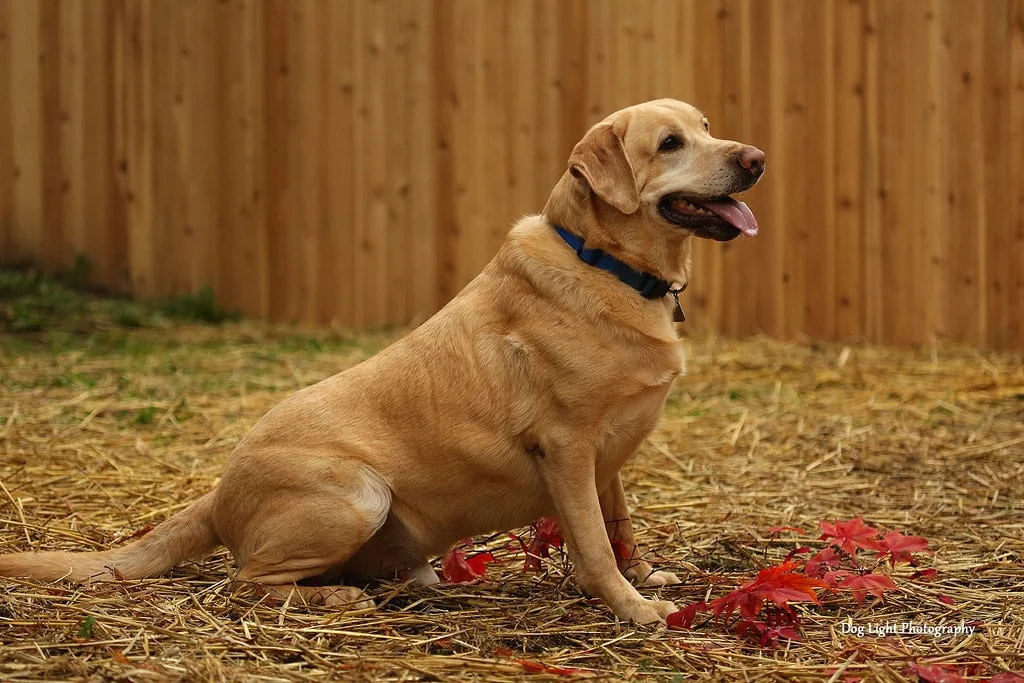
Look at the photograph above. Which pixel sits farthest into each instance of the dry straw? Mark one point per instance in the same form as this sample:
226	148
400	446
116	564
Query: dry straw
96	444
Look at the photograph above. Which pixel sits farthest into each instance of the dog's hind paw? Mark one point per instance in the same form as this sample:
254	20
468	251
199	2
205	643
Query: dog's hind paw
660	578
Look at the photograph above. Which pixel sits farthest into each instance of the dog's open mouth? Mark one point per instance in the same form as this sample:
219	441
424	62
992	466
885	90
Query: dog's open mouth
722	218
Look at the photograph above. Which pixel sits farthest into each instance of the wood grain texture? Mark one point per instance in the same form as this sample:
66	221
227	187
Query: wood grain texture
7	244
358	162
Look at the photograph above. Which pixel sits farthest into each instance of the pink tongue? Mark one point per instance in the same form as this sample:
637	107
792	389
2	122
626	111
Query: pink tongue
737	214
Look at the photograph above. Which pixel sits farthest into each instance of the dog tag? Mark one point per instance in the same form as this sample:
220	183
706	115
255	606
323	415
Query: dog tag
677	313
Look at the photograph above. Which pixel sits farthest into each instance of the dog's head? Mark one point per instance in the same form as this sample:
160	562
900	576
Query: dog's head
653	173
661	159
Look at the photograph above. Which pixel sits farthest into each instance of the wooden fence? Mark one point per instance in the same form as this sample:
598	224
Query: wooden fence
360	160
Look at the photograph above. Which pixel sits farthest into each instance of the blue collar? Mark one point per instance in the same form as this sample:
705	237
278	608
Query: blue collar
649	286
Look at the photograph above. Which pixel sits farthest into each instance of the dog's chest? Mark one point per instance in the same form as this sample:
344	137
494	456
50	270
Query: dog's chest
635	407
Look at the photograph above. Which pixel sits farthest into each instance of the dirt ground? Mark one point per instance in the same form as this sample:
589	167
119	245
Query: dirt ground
104	434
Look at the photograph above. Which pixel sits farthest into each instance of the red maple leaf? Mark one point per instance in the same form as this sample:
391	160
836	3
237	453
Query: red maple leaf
925	574
139	533
1007	677
848	536
546	533
899	548
778	584
934	673
621	551
549	531
683	619
456	568
797	551
769	635
836	577
824	560
862	584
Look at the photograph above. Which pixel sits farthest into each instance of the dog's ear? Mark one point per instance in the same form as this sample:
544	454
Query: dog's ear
600	159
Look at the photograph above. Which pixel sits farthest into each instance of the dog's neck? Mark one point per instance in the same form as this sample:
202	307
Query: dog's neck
637	243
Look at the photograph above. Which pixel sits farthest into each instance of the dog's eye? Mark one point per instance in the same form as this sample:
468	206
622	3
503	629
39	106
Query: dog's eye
707	126
670	143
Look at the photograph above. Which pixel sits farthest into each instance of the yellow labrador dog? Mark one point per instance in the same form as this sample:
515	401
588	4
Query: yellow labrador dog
521	398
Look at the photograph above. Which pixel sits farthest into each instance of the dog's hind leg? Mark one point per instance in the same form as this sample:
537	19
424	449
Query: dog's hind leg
346	597
308	536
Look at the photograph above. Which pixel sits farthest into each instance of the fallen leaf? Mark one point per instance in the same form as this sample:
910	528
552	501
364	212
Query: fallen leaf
775	530
621	551
768	634
900	548
683	619
934	673
797	551
139	533
824	560
1007	677
778	584
851	535
546	533
456	568
862	584
946	600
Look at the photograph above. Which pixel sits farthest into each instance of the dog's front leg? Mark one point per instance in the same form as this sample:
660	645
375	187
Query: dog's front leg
569	477
620	532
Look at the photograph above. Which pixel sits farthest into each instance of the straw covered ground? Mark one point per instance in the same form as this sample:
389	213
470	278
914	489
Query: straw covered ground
107	432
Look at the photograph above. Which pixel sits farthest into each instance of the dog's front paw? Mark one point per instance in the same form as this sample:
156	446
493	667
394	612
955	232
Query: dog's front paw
647	611
660	578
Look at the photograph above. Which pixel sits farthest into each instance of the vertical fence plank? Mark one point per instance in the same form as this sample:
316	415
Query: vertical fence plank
962	156
71	107
467	50
446	96
995	91
549	157
496	171
203	166
7	246
240	271
708	276
135	72
107	119
299	196
28	141
169	100
598	86
396	147
848	110
1015	202
422	106
523	85
809	251
337	254
873	313
52	179
757	306
374	164
277	72
731	122
903	38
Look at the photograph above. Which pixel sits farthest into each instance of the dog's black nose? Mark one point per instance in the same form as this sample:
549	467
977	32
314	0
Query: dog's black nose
751	159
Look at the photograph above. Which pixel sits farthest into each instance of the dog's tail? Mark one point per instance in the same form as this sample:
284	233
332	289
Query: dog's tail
185	535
